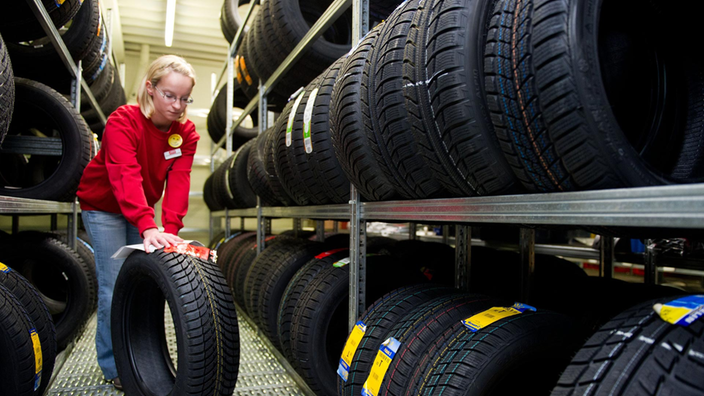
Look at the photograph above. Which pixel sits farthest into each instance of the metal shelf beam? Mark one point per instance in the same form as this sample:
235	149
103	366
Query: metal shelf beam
679	206
14	205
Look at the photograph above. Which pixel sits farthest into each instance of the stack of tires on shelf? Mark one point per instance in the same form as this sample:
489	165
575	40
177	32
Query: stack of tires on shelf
457	98
47	294
47	142
436	339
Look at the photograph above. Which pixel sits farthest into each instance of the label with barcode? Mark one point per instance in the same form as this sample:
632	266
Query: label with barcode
383	360
491	315
343	369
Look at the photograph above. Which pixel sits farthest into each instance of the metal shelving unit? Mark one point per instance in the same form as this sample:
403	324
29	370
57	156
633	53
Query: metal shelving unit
23	206
676	207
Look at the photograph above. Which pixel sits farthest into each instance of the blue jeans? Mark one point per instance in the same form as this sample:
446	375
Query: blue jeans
108	232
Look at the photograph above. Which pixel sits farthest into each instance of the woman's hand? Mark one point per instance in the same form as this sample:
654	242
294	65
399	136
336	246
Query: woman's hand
152	237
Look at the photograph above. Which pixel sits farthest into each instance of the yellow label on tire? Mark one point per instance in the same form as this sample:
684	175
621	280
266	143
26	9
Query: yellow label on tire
4	268
491	315
343	369
383	360
38	359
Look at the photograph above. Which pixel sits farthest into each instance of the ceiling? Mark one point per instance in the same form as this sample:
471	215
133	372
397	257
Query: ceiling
197	34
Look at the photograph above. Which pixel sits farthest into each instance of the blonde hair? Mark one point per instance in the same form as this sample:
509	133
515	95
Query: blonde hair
157	70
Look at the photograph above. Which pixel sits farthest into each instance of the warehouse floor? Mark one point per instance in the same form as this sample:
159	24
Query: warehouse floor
261	373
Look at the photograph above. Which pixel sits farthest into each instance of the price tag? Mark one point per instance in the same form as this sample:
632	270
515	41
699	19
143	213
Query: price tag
682	311
383	359
343	369
200	252
491	315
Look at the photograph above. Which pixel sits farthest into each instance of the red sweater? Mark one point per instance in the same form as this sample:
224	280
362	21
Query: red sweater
129	173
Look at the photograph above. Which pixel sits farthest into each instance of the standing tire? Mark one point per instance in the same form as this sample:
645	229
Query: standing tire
64	281
205	322
638	353
7	91
615	93
42	117
40	317
442	69
17	360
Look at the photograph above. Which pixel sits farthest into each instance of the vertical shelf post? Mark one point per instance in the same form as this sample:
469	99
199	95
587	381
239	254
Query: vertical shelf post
358	259
463	256
606	257
412	231
263	120
320	230
650	276
527	246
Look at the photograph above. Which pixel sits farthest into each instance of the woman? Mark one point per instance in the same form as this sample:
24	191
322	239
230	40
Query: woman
144	147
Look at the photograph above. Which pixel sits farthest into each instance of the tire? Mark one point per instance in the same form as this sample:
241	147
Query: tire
319	320
17	359
293	291
40	108
217	241
83	248
497	359
40	318
256	171
242	262
221	184
317	144
347	129
242	194
78	37
386	121
275	162
379	318
586	85
211	201
217	117
7	90
64	281
638	353
450	123
18	22
302	185
204	319
284	158
269	275
230	18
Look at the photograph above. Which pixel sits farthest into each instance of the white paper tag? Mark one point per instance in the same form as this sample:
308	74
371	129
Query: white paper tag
307	117
172	153
126	250
291	118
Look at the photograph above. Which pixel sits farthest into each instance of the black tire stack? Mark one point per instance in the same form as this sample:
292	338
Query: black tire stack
454	98
64	278
28	336
85	38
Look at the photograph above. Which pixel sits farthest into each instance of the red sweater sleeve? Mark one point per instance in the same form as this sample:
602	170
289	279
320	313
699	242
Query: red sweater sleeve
124	172
178	184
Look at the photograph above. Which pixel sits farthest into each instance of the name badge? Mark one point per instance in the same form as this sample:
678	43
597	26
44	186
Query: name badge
172	153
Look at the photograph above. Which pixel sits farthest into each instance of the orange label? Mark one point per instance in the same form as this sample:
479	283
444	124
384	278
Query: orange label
200	252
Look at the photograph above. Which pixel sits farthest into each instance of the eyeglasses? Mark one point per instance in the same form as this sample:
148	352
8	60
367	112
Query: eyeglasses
173	98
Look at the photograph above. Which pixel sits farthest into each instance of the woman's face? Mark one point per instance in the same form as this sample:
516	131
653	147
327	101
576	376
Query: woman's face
170	95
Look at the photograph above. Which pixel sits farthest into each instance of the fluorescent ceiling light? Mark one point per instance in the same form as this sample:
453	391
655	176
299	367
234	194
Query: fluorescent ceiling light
170	17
